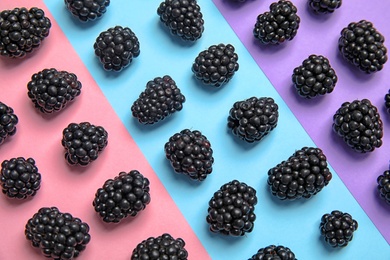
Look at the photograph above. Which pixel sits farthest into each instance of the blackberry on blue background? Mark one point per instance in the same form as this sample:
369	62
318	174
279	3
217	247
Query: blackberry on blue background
8	122
324	6
383	181
87	10
273	252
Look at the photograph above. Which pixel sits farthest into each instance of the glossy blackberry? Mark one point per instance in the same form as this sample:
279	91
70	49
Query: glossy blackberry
216	65
315	77
160	99
83	142
58	235
87	10
363	46
51	90
22	30
161	247
231	209
337	228
190	153
273	252
324	6
254	118
278	25
183	18
116	48
383	181
125	195
8	122
387	101
359	124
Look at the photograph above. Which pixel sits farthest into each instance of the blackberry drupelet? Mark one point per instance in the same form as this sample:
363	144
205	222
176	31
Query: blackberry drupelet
337	228
22	30
254	118
58	235
383	181
359	124
324	6
161	247
83	142
116	48
8	122
19	178
231	209
273	252
278	25
51	90
190	153
160	99
216	65
363	46
183	18
387	101
125	195
315	77
87	10
302	175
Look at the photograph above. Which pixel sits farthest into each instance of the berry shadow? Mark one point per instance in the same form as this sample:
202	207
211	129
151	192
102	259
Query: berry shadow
11	63
174	38
147	128
317	16
268	48
307	101
17	202
178	177
207	88
110	226
285	203
233	5
227	239
242	143
386	115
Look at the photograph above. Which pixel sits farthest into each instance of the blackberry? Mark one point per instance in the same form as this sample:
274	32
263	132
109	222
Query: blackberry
87	10
216	65
337	228
125	195
58	235
51	90
302	175
161	247
8	122
190	153
116	48
83	142
324	6
278	25
315	77
387	101
160	99
359	124
273	252
254	118
231	209
363	46
22	30
19	178
183	18
383	181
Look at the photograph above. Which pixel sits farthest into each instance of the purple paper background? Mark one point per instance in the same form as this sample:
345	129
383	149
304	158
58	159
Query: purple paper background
319	34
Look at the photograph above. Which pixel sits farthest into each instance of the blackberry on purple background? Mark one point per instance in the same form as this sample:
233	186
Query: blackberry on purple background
22	30
324	6
190	153
8	122
362	45
273	252
161	247
359	124
216	65
87	10
254	118
83	142
58	235
337	228
383	181
387	101
231	209
160	99
116	48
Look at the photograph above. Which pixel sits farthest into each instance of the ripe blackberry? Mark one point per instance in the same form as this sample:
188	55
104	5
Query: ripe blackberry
273	252
362	45
51	90
125	195
83	142
183	18
359	124
337	228
116	48
383	181
387	101
160	99
161	247
8	122
216	65
58	235
19	178
190	153
22	31
302	175
324	6
87	10
254	118
315	77
278	25
231	209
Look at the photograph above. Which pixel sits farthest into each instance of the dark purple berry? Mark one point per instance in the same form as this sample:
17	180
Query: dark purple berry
87	10
8	122
273	252
383	181
324	6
